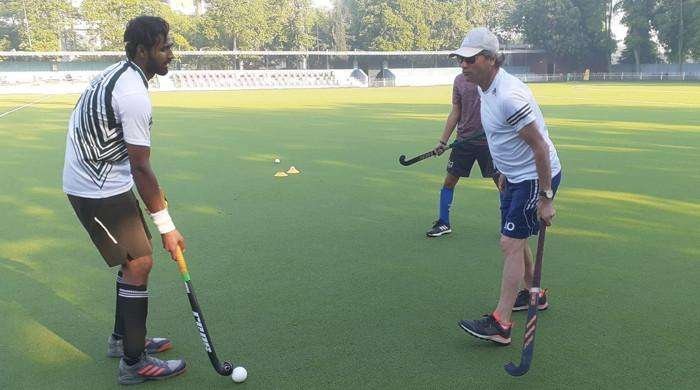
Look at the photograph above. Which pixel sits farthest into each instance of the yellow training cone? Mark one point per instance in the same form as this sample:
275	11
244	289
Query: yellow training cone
292	170
280	174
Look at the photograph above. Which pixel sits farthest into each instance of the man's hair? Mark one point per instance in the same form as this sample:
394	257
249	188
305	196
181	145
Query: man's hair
499	58
144	30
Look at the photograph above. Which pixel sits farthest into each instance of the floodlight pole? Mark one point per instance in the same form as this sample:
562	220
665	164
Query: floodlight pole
680	43
26	24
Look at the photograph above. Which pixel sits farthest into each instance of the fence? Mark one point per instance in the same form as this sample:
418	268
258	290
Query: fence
74	82
633	76
656	68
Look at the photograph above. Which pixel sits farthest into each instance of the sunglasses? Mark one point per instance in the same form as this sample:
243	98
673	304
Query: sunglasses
468	60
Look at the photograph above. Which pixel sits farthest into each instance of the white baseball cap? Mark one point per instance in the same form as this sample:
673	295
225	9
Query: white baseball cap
477	40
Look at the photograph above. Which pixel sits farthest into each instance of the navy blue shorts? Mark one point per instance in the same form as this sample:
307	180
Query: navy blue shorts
519	207
462	159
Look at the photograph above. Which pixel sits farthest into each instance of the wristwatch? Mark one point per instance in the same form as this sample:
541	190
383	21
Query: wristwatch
547	194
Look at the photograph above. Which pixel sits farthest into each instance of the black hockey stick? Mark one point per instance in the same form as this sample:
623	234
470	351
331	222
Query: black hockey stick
404	162
224	368
531	326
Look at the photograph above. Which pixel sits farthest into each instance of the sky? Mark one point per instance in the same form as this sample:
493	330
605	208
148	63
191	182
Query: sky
322	3
619	31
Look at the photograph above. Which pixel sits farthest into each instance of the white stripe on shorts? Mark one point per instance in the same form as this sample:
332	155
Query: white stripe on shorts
532	202
106	231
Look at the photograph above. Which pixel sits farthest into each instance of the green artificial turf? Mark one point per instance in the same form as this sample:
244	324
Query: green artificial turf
325	280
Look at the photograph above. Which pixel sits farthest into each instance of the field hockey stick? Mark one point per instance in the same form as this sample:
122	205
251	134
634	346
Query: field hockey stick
224	368
404	162
531	326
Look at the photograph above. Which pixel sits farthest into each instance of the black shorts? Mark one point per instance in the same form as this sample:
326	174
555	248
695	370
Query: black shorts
462	159
115	225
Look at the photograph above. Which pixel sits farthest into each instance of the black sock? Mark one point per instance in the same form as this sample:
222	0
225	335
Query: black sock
133	306
118	331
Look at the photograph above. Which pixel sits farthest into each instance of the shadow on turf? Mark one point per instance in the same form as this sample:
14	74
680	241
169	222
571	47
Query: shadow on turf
61	317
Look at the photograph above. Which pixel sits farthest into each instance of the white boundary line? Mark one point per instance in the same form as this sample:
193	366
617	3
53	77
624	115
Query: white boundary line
26	105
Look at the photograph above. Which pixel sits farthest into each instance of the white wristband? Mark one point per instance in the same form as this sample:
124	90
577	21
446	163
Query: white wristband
163	221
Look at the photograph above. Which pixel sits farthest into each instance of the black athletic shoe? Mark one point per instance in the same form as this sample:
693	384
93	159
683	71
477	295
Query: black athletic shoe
523	299
439	228
487	328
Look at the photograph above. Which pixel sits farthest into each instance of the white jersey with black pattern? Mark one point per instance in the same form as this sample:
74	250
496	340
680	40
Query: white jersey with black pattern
506	107
114	110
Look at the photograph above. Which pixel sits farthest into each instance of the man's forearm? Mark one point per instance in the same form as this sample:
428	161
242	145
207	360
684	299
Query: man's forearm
449	127
147	185
544	168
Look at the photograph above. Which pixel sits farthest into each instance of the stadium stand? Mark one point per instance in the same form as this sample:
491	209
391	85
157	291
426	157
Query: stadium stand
263	79
70	72
74	82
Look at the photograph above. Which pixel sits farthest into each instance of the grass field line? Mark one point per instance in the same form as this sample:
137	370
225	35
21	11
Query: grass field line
25	105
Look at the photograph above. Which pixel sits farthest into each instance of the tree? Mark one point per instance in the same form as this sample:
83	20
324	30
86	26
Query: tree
109	18
493	14
639	47
291	22
553	25
9	33
404	25
410	25
237	25
379	25
666	21
339	21
451	21
36	25
599	44
572	31
330	27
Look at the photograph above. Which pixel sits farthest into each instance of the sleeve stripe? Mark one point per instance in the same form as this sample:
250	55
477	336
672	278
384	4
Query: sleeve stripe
520	117
521	109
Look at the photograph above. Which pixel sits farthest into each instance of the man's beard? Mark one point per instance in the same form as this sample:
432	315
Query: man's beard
157	68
